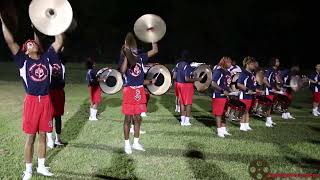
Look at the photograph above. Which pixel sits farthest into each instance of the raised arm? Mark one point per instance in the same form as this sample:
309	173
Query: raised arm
58	43
8	37
124	65
154	50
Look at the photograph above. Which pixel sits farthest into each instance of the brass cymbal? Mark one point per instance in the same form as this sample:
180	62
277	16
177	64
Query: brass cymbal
163	79
113	80
205	83
51	17
150	28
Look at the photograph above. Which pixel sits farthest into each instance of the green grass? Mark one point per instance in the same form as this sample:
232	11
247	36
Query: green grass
94	149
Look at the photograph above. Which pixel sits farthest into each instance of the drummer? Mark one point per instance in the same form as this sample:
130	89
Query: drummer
273	78
286	77
314	80
184	78
221	80
246	84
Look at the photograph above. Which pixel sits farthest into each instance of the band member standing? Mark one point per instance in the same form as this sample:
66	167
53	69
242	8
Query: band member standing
57	96
314	80
134	99
94	88
184	78
184	57
35	72
145	58
221	80
274	82
246	84
286	77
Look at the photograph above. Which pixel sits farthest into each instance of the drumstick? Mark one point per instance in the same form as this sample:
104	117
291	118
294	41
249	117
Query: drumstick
109	71
158	74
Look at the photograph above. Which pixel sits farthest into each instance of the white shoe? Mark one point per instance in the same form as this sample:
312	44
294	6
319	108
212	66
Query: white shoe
26	175
225	132
284	116
58	143
268	125
138	146
127	149
187	124
93	119
243	127
289	116
248	127
143	114
50	144
44	171
220	132
315	113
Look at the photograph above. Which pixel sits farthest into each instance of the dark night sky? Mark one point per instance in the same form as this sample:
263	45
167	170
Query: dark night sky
208	29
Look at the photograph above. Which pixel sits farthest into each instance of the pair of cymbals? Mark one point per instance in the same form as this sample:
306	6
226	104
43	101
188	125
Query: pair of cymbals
51	17
150	28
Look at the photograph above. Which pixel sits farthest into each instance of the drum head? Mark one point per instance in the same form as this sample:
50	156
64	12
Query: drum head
205	83
113	83
163	82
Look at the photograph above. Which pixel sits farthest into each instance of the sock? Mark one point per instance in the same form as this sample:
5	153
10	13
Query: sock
242	125
246	125
132	126
90	112
224	129
187	120
315	109
269	119
135	140
57	137
29	167
288	114
49	137
127	142
41	162
94	113
183	119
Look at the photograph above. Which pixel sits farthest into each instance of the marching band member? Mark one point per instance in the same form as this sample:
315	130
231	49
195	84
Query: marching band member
286	77
184	78
273	81
154	51
34	69
314	80
234	69
57	96
221	80
94	88
134	99
246	84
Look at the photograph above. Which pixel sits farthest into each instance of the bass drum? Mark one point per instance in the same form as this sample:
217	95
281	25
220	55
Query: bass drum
235	110
163	79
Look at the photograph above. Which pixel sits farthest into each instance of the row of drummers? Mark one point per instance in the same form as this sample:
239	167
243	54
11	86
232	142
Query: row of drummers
239	92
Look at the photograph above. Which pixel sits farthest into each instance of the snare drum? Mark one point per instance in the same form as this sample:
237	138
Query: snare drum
235	110
261	106
281	103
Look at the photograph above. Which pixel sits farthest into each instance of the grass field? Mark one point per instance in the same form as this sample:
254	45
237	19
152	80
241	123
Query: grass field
95	149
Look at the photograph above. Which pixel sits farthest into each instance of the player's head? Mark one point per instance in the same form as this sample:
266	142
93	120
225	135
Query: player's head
250	63
90	63
225	62
275	62
234	62
130	42
318	67
30	47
